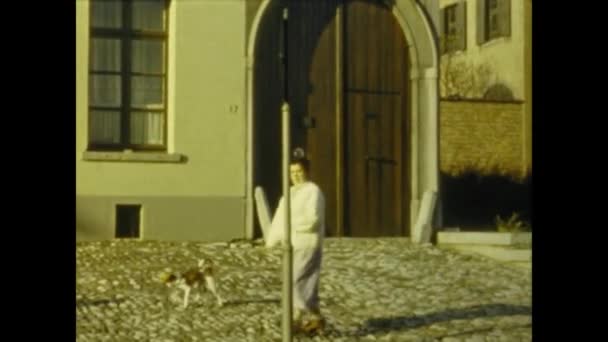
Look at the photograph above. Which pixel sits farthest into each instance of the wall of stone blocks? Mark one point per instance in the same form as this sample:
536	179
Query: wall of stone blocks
486	137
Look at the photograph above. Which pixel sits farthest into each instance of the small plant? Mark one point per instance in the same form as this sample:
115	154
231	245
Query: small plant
512	225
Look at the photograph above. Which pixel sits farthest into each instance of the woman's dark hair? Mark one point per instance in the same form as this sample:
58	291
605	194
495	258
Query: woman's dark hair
305	163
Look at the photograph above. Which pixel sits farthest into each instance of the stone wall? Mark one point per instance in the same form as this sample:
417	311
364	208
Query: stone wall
482	136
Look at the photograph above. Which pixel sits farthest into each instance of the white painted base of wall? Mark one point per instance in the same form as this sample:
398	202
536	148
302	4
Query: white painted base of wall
496	252
483	238
205	219
493	245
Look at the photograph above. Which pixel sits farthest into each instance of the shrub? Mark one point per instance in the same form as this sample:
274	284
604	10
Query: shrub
472	201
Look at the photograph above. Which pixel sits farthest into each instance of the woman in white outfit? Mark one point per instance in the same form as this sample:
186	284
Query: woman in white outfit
308	229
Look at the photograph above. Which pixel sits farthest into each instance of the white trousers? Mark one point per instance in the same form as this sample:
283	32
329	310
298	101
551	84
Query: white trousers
306	272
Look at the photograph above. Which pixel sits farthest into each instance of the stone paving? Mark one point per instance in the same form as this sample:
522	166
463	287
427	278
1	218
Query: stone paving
371	290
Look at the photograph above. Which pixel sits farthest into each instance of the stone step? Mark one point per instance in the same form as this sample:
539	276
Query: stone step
495	252
483	238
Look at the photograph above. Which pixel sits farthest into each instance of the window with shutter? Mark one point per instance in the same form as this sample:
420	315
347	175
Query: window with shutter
127	72
493	17
504	10
453	28
481	22
461	22
497	21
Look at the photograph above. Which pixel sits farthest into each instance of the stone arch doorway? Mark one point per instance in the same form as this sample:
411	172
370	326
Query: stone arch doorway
353	93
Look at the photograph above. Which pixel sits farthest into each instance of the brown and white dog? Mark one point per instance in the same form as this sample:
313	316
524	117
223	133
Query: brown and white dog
201	277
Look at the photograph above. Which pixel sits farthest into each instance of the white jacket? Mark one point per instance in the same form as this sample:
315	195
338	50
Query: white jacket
307	218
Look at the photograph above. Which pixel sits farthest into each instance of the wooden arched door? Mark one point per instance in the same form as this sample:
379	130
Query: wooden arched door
348	74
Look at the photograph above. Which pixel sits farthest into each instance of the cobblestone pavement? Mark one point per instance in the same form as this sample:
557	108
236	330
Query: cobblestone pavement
371	289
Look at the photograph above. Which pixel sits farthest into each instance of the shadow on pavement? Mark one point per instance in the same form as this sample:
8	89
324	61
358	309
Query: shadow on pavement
392	324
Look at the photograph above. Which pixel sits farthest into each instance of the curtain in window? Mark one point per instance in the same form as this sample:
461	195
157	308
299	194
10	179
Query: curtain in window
147	56
148	15
147	92
105	91
106	14
105	54
105	127
147	128
143	102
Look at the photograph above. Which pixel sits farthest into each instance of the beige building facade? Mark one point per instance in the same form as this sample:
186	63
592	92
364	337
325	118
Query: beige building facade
166	106
486	58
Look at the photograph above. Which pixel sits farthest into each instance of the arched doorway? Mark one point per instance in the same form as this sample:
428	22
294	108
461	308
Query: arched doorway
350	97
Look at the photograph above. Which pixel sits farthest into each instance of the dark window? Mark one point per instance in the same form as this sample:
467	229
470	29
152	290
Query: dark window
127	221
453	27
451	31
127	75
493	19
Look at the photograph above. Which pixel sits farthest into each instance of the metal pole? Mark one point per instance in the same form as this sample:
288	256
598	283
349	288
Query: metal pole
283	54
339	120
287	248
